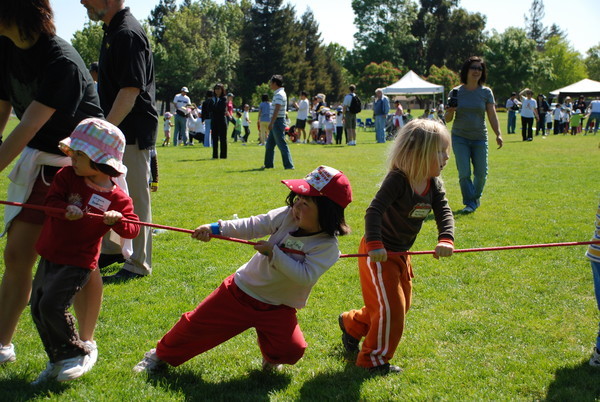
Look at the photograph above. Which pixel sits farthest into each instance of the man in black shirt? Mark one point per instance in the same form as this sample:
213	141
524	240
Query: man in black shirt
127	95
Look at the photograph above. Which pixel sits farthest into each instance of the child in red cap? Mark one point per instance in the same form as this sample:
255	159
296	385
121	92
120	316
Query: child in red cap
69	244
265	292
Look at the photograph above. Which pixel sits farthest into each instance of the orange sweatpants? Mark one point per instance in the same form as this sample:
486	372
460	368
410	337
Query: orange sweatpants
387	292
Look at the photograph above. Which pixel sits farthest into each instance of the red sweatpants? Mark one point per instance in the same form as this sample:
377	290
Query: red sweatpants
226	312
387	292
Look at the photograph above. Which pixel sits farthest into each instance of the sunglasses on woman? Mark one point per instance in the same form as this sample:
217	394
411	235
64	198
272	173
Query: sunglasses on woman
477	68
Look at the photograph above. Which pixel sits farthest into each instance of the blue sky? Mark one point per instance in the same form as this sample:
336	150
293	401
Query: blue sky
576	17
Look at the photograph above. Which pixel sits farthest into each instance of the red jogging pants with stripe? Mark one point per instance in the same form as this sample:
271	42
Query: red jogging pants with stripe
387	293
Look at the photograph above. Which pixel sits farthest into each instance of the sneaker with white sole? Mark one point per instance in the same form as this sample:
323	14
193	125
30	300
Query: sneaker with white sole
93	353
150	363
7	353
73	367
49	374
271	367
595	360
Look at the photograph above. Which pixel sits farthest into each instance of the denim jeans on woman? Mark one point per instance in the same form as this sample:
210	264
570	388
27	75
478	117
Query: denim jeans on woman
277	137
471	152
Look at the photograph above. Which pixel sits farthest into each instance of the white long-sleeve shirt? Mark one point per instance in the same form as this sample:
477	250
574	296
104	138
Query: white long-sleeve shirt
282	278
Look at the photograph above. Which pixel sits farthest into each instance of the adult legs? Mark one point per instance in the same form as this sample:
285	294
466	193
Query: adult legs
88	303
138	176
15	289
463	154
380	128
479	158
207	136
541	125
270	150
596	274
279	133
512	122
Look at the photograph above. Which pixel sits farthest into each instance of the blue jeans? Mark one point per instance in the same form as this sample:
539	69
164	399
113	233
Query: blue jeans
512	122
277	137
207	138
380	127
596	273
180	130
593	117
467	152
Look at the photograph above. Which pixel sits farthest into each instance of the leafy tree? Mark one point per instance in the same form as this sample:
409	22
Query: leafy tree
512	62
443	76
200	47
377	76
383	32
157	17
464	37
535	28
592	62
555	30
566	65
88	41
259	91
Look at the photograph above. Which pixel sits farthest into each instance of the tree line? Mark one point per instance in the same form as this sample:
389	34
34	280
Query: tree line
241	43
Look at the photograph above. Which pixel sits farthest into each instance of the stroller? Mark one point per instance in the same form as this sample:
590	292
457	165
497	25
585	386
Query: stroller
390	129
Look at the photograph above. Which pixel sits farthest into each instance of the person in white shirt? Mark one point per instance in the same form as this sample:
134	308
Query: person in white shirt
180	102
594	115
277	126
528	113
303	107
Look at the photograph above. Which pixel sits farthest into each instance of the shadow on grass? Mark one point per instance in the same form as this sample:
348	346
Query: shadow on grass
257	386
17	389
340	385
578	383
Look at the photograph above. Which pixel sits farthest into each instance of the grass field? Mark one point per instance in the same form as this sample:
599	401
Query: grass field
504	325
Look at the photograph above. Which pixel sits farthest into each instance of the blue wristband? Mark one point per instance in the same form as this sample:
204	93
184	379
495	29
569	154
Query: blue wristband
215	228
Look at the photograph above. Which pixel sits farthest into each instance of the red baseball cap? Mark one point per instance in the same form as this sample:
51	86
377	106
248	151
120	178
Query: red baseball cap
324	181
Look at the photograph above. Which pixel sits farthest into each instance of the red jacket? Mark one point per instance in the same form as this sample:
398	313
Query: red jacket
78	242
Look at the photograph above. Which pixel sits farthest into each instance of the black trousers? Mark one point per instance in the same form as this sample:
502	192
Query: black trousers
54	288
527	127
219	134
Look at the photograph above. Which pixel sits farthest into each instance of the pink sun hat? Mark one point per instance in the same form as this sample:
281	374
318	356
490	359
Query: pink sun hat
100	140
324	181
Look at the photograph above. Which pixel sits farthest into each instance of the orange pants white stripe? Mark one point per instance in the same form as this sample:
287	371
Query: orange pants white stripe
387	293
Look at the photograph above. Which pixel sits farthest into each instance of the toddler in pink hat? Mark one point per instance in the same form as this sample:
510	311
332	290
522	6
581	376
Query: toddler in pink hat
69	244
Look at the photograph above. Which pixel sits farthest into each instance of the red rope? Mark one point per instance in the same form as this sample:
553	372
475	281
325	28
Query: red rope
287	250
152	225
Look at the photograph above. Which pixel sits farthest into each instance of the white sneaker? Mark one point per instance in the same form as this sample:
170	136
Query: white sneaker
595	360
48	374
271	367
7	353
93	353
74	367
150	363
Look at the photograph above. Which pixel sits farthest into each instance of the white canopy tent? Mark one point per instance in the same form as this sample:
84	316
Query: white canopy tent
412	84
585	87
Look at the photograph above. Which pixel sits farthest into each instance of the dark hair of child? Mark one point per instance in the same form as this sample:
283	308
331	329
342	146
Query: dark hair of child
331	215
265	98
104	168
238	114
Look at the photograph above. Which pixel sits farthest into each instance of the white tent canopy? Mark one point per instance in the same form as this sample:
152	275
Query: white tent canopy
412	84
584	87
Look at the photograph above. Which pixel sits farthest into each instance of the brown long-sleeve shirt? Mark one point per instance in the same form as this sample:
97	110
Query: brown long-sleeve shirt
396	214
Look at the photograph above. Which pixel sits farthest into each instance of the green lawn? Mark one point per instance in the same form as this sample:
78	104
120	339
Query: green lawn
504	325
